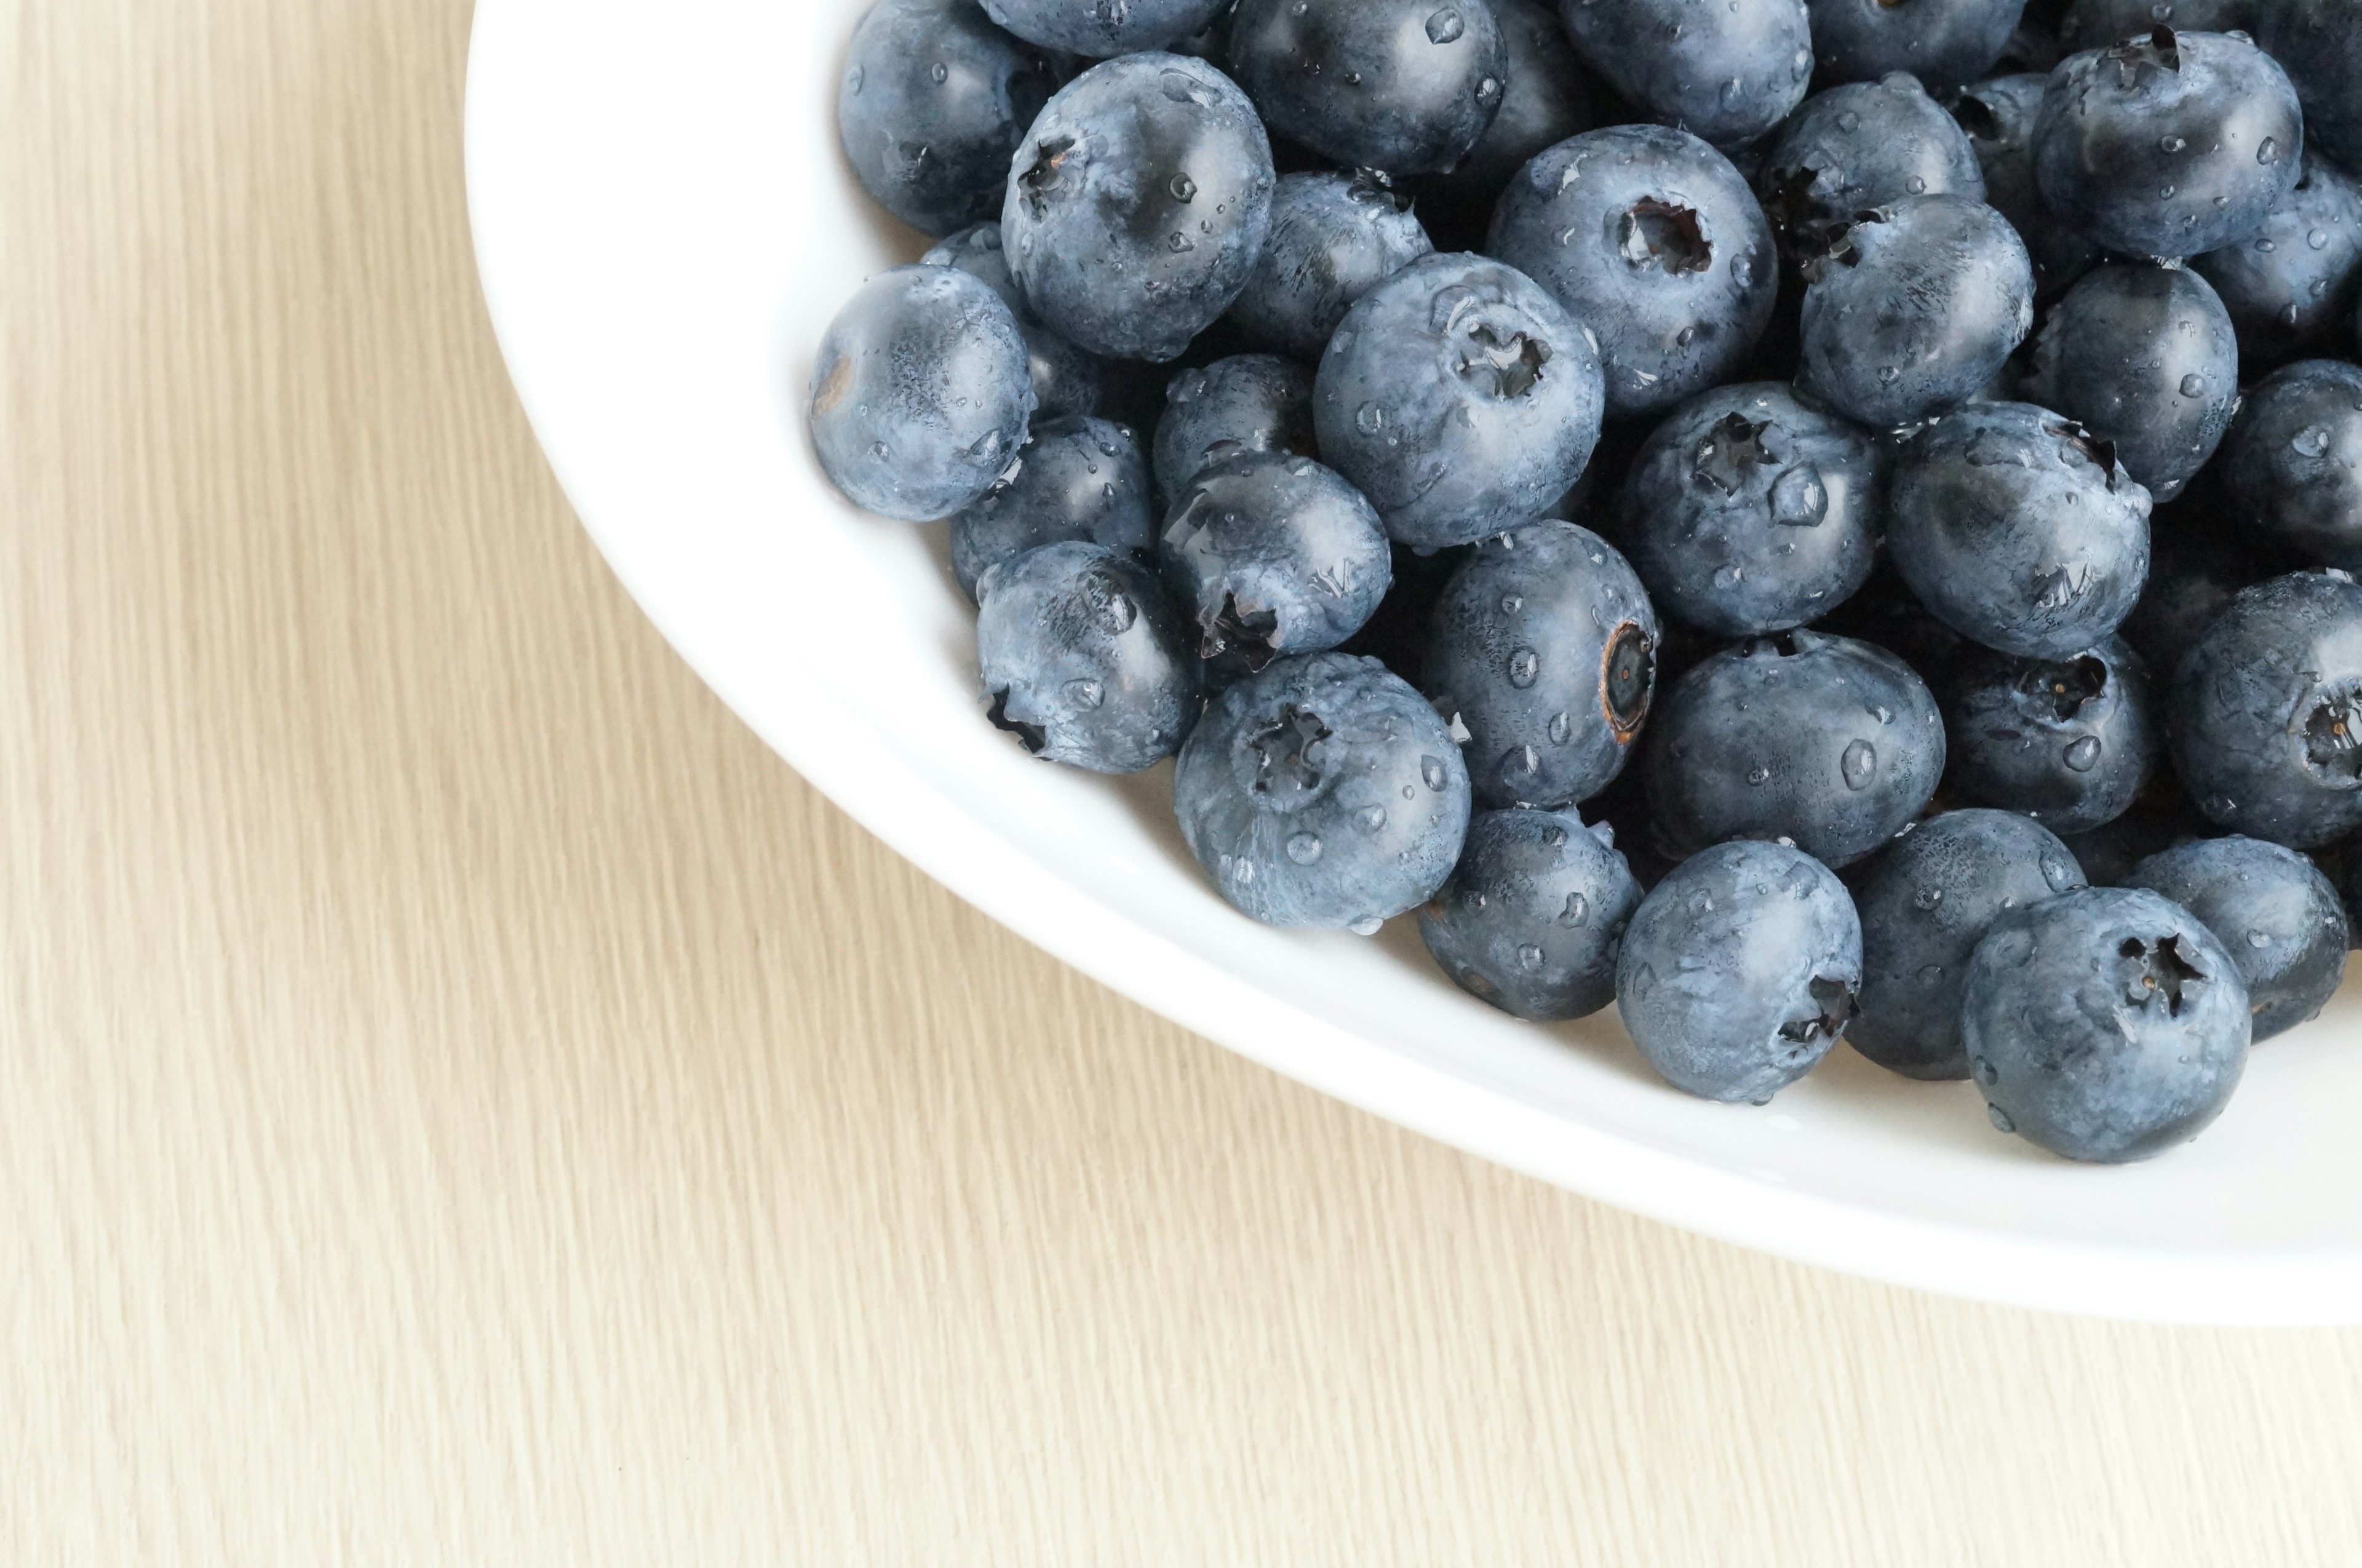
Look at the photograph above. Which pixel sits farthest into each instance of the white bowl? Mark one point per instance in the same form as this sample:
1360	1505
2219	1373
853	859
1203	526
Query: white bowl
665	226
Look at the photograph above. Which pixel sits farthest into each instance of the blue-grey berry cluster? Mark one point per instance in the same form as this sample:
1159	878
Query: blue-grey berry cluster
1799	521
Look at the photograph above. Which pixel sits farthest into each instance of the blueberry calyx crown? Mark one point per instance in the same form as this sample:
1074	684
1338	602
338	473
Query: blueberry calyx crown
1033	738
1044	176
1289	753
1665	233
1627	677
2160	50
2333	738
1729	450
1835	1007
2157	971
1247	632
2067	687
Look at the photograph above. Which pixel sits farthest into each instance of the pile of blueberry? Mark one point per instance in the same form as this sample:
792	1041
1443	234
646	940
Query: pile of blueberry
1833	408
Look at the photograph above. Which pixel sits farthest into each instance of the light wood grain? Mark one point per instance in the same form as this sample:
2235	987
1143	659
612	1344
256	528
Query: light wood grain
462	1100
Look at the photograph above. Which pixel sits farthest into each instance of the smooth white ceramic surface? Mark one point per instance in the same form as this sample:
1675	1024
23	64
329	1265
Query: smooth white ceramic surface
664	227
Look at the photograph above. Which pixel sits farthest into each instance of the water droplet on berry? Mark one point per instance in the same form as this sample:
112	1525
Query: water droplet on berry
1511	604
1932	975
1370	420
2001	1118
941	72
2259	939
2318	239
2055	872
1577	912
2084	755
1304	848
1370	819
1799	498
2172	144
1859	764
1430	768
2267	150
1085	693
1757	774
1368	925
1524	668
1445	27
2311	441
1561	728
1927	898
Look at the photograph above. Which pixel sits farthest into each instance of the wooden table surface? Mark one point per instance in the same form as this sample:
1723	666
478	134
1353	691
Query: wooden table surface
463	1100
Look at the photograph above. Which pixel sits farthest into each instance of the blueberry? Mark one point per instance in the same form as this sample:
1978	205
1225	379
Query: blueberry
1543	648
1862	146
2198	563
2071	742
1066	379
1926	900
1547	96
2281	921
920	395
2293	462
1139	203
1274	555
2265	712
1534	913
2144	358
1075	478
1333	238
1099	28
1322	793
1728	73
2168	145
1739	972
2290	287
1651	240
1750	511
1084	659
1832	744
934	103
2106	1025
1250	403
1915	309
1460	397
2096	24
2018	530
1999	116
1403	85
1942	42
2319	42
